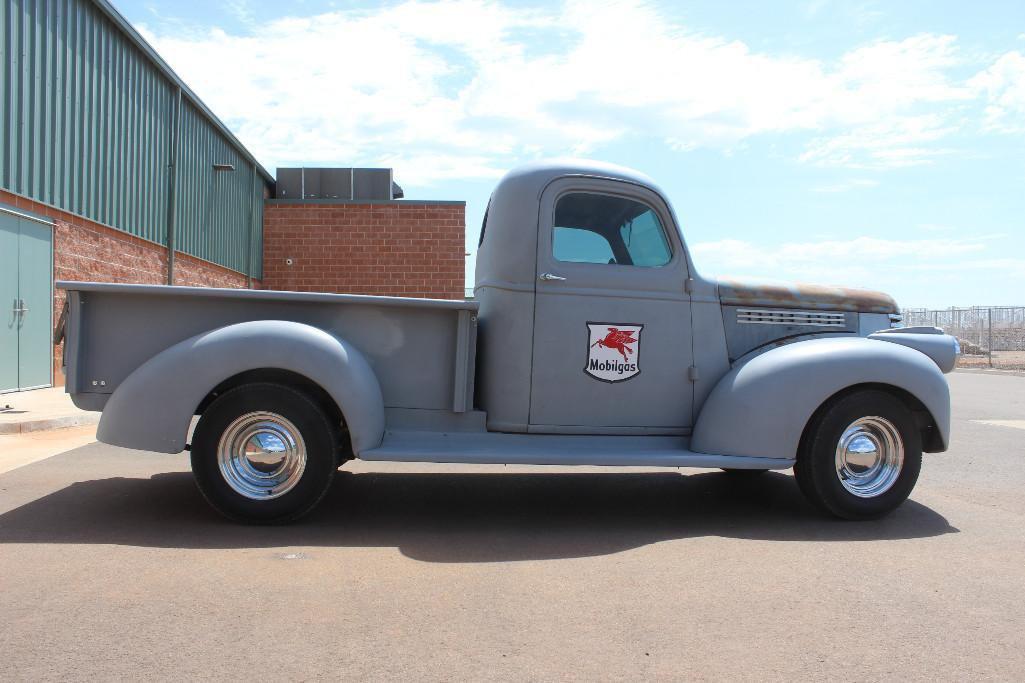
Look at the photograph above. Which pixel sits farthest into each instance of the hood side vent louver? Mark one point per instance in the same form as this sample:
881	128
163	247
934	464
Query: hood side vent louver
765	316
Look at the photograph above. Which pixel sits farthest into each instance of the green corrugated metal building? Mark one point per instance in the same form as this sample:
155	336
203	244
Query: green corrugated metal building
100	138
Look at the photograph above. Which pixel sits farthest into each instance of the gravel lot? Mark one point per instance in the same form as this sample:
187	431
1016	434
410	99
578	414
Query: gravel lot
1005	360
111	566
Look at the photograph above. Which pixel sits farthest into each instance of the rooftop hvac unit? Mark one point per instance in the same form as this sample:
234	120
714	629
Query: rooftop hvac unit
348	184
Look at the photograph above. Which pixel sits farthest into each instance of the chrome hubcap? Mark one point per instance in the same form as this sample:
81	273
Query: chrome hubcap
869	457
261	455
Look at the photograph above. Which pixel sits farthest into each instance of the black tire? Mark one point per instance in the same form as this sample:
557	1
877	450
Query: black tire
816	468
319	436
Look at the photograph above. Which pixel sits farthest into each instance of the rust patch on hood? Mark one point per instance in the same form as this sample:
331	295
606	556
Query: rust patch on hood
805	296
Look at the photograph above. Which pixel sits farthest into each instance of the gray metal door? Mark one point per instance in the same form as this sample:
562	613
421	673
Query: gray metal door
26	288
8	301
612	325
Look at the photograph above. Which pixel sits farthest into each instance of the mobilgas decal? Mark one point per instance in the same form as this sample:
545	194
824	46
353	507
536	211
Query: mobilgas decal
613	351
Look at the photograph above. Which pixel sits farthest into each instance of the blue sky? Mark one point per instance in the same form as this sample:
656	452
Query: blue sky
854	143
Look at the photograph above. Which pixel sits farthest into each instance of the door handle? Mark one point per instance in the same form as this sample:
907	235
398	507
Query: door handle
20	306
550	277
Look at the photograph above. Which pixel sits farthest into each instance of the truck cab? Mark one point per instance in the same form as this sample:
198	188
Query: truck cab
592	340
564	258
571	250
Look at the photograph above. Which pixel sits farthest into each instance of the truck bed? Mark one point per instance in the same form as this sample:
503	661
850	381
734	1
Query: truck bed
422	350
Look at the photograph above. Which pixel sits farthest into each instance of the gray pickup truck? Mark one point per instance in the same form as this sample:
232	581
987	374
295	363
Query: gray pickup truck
593	340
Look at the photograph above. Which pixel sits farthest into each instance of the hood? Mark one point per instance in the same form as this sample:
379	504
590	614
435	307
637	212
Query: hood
803	296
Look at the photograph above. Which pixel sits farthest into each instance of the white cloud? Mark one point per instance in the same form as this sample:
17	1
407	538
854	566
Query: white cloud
745	255
1006	267
1004	86
902	141
463	88
860	262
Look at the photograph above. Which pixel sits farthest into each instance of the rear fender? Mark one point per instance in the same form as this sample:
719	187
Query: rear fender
761	406
153	407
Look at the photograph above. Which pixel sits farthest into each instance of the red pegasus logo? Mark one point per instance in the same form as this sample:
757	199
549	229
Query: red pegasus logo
617	339
614	351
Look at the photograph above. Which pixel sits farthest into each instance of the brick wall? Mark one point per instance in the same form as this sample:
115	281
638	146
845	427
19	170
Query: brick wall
399	248
83	250
193	272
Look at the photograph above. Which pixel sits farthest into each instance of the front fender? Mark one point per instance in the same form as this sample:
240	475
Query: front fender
153	407
761	406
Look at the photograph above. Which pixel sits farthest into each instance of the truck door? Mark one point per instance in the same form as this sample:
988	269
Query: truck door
612	324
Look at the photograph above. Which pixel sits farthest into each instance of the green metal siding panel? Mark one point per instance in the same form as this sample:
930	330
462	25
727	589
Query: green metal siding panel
214	212
86	119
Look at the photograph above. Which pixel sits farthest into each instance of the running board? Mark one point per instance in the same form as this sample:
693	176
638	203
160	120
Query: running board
493	448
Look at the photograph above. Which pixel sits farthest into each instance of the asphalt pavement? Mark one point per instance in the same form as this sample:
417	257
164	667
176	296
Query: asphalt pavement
112	566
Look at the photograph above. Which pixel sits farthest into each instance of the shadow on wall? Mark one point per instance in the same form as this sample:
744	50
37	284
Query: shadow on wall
455	517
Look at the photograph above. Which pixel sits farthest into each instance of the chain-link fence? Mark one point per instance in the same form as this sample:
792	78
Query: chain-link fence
990	336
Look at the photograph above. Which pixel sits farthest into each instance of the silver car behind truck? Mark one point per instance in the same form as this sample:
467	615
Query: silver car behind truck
593	340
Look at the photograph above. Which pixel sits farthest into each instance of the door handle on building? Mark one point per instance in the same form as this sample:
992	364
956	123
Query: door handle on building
19	306
550	277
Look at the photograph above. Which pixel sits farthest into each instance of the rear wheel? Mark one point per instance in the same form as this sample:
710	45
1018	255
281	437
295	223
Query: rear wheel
860	456
264	453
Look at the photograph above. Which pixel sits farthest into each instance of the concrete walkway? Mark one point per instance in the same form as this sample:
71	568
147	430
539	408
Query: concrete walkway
18	450
41	409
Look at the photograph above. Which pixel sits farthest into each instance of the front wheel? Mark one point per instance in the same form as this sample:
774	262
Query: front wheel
264	453
860	456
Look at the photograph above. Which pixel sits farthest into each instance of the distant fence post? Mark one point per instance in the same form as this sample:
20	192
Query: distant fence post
989	336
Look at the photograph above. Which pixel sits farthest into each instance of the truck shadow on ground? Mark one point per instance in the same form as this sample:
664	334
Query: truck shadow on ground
462	517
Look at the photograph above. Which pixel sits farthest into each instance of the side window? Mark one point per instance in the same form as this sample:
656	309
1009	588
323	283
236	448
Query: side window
581	246
484	225
597	228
